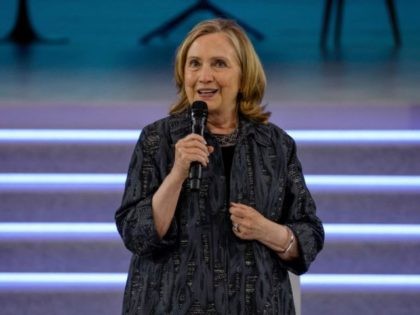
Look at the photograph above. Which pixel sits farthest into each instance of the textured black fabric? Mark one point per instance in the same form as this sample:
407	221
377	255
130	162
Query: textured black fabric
200	266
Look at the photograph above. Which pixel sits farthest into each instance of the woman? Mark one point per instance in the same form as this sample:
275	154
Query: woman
225	249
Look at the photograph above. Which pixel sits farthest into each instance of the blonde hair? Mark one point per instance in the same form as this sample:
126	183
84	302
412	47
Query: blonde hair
253	79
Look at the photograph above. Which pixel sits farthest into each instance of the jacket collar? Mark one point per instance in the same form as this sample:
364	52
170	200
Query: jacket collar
180	126
250	129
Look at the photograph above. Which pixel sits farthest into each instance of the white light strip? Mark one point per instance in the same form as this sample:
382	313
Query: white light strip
62	182
40	231
357	136
363	180
44	278
52	228
372	229
368	233
360	280
363	183
322	181
109	135
308	281
68	135
61	178
108	231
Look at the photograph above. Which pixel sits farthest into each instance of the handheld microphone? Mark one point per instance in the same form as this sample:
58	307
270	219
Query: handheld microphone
198	119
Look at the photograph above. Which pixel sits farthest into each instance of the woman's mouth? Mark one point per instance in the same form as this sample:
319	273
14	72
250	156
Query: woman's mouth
207	92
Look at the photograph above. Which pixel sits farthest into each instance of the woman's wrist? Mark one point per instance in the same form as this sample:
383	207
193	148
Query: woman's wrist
289	241
178	176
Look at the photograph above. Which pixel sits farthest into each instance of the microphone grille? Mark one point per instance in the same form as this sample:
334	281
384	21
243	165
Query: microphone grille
199	108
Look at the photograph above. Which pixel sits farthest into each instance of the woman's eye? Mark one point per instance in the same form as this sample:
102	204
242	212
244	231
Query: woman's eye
193	63
220	63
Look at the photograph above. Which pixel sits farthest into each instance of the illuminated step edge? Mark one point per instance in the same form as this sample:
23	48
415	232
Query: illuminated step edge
371	283
68	135
108	232
116	281
41	282
360	183
16	181
62	181
112	135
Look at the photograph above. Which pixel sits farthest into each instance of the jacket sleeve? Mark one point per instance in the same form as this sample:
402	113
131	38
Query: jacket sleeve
299	213
134	218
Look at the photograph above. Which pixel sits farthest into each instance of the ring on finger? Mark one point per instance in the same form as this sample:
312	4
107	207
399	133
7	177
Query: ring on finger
236	227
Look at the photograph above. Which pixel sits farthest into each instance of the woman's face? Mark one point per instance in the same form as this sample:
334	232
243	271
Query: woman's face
212	73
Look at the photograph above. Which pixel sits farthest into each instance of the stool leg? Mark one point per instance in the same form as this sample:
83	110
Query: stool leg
326	23
23	32
394	22
220	13
339	22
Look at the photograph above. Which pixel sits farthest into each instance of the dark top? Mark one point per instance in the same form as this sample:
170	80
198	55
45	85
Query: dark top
200	266
227	153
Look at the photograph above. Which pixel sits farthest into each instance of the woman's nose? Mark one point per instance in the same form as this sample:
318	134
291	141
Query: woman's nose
206	74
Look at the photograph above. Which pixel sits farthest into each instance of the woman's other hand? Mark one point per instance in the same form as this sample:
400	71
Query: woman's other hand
247	223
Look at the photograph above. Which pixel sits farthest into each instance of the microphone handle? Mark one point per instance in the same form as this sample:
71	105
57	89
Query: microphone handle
196	172
196	169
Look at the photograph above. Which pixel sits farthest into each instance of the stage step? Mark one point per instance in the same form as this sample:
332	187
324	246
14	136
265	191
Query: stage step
101	293
109	151
95	197
345	294
66	205
60	189
61	294
64	256
137	114
368	206
97	247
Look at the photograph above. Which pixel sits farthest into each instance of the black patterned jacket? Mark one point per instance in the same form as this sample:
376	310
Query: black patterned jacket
200	266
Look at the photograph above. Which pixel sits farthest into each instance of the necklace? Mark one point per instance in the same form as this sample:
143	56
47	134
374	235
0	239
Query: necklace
227	140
